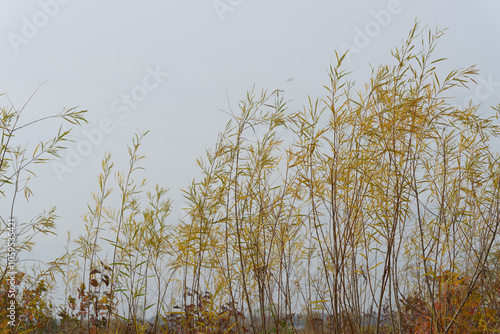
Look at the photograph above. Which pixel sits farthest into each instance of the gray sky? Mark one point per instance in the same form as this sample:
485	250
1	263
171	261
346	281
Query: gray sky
170	67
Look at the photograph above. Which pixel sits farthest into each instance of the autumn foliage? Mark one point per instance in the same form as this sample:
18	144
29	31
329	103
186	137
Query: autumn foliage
375	209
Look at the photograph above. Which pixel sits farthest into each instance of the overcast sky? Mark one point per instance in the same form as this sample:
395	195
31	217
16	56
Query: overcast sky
171	66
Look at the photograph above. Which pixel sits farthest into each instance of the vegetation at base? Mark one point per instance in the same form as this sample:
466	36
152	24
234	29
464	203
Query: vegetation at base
369	211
